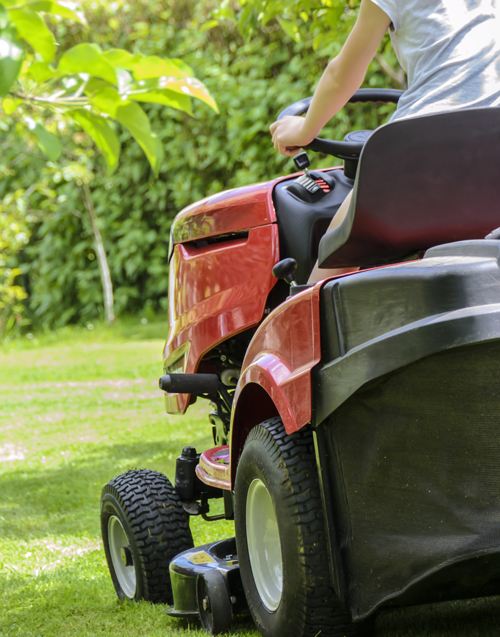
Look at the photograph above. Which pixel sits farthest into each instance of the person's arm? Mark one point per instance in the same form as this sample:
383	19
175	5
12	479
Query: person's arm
341	79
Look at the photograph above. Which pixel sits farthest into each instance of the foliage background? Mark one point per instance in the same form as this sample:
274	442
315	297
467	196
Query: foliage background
254	64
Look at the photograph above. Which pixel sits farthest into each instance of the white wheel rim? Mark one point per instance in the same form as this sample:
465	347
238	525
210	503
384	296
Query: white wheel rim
118	540
264	546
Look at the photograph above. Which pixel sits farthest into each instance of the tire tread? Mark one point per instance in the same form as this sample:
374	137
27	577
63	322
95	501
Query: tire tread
321	611
159	525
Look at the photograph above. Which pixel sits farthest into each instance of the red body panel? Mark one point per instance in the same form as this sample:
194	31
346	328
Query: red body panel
221	289
281	355
226	212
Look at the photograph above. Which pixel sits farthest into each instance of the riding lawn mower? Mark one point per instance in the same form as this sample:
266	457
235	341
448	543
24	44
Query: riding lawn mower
356	421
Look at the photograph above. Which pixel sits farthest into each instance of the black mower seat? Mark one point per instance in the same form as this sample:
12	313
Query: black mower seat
421	182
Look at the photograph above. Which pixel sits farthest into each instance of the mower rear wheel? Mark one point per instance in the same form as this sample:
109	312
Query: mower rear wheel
143	528
281	538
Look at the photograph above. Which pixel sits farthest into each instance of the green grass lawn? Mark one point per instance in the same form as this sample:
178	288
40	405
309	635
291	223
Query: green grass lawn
76	409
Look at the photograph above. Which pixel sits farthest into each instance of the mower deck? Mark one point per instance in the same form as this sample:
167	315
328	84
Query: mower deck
187	567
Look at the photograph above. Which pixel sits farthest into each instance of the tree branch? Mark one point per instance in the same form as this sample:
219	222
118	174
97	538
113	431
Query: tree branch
61	101
107	285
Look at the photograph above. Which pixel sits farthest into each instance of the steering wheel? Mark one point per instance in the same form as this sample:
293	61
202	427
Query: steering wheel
343	150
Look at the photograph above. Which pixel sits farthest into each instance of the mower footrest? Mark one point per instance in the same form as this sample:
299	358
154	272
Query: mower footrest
214	468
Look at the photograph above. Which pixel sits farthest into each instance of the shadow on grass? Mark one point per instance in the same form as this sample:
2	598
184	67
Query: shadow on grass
68	602
78	597
37	501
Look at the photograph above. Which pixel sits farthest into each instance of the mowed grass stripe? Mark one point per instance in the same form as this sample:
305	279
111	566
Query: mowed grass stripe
72	418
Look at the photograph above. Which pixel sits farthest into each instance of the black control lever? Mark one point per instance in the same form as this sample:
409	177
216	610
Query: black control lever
306	186
285	269
302	161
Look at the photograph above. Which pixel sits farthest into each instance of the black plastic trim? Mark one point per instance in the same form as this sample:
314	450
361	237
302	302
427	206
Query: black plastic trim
216	239
302	223
330	493
338	380
377	321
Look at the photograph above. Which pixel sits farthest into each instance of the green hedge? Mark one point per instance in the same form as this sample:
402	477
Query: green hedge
252	81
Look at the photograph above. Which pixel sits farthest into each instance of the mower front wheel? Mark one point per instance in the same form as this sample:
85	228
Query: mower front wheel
143	528
214	604
281	538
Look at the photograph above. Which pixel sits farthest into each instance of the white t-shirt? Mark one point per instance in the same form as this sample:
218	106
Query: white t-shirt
450	51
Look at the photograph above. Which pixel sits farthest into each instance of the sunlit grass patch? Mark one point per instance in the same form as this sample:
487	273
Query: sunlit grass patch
73	416
10	452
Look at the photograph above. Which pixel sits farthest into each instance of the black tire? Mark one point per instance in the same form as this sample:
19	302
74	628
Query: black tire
213	601
142	507
307	605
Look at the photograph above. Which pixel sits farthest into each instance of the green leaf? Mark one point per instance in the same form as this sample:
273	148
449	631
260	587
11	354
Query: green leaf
147	68
290	28
119	58
160	153
176	100
102	134
40	72
67	10
48	142
154	66
95	84
243	21
183	67
209	25
4	18
152	91
11	59
190	87
87	58
9	105
225	11
107	100
135	120
33	29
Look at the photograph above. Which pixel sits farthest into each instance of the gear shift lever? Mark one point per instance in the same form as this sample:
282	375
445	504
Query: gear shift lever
302	161
285	269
